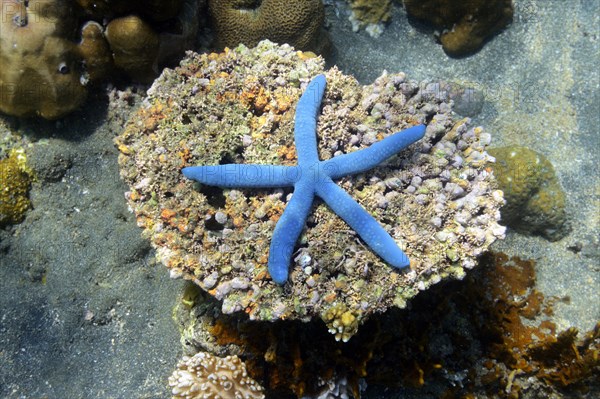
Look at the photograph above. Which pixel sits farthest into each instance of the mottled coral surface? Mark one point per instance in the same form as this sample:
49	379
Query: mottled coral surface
436	198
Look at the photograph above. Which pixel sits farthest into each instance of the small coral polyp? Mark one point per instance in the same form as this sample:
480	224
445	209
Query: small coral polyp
437	201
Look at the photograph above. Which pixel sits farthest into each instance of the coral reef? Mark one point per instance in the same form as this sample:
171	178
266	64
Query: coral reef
486	336
204	376
295	22
371	14
437	201
15	179
141	36
466	24
313	178
521	347
535	201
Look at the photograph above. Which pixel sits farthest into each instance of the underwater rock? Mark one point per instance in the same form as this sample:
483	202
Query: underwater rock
466	24
535	201
295	22
436	198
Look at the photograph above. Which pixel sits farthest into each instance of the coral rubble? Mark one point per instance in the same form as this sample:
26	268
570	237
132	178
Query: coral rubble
295	22
437	200
204	376
466	24
535	201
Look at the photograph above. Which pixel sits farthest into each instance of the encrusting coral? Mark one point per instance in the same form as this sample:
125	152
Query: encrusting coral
295	22
15	179
204	376
535	201
437	201
466	24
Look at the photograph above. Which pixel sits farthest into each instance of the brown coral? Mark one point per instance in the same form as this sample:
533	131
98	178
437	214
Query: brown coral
296	22
466	24
205	376
95	50
134	45
486	336
41	73
45	71
535	201
371	11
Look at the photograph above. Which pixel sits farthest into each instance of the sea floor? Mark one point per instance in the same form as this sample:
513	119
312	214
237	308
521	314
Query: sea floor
85	310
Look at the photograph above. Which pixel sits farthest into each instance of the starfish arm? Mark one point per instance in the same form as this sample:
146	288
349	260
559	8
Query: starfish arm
288	229
363	223
367	158
305	124
243	175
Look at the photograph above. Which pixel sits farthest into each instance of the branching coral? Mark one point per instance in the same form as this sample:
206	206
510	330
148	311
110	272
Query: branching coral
204	376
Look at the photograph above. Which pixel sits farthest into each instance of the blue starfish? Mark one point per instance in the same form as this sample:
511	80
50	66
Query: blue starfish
314	177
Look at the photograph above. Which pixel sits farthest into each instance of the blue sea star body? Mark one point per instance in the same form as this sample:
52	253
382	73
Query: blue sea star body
314	177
